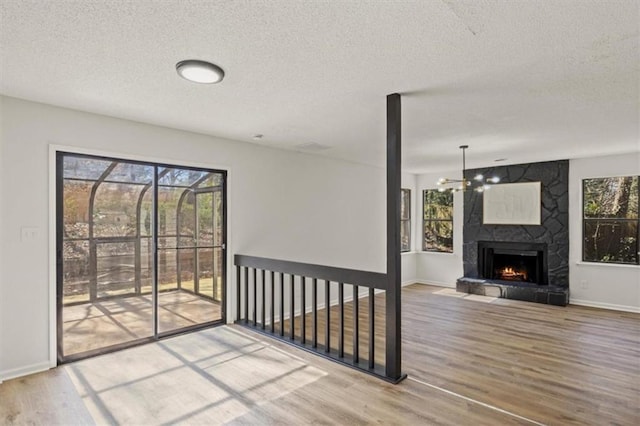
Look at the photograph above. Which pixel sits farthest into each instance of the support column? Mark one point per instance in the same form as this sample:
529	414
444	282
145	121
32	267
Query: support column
394	175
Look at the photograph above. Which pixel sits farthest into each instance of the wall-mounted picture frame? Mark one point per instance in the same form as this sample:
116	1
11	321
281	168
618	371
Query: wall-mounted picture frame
512	204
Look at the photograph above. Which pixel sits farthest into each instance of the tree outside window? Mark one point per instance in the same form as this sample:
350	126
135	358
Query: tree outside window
405	220
438	221
610	219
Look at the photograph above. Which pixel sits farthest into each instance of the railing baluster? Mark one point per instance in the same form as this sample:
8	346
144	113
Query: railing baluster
341	320
255	296
258	313
327	320
356	351
273	303
264	296
238	285
292	318
246	295
303	310
314	307
372	329
281	304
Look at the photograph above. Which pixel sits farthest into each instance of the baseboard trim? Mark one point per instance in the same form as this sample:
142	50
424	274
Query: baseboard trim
24	371
435	283
611	306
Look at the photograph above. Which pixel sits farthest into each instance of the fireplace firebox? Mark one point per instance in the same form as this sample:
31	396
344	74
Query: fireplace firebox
513	261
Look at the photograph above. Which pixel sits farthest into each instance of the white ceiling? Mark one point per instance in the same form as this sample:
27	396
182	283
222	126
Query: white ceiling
523	80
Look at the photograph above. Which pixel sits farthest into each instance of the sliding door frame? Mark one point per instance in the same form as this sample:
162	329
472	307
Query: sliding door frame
56	226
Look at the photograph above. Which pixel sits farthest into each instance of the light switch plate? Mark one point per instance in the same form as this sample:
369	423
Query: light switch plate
28	234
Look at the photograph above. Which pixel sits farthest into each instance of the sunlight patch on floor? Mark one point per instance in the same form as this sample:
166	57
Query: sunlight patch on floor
451	292
212	376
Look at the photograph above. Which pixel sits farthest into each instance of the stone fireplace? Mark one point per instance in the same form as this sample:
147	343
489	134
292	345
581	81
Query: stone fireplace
523	262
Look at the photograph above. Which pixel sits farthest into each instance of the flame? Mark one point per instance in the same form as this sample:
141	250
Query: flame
509	273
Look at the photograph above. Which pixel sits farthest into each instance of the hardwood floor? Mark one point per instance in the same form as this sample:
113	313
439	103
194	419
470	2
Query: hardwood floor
469	362
556	365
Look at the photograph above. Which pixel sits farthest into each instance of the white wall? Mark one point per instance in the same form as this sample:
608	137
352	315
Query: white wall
282	204
441	269
593	284
1	245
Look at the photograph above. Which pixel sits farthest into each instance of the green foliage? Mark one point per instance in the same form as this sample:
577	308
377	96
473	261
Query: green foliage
438	221
611	197
610	209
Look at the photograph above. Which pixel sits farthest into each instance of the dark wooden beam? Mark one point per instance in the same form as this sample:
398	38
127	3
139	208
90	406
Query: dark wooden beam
330	273
393	305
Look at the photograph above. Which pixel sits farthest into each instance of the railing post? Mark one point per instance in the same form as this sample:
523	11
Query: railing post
327	318
372	329
393	359
314	315
292	317
341	320
281	304
263	300
356	325
303	310
273	303
255	297
246	294
238	284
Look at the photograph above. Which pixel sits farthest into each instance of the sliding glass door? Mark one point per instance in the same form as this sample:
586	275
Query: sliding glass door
140	252
190	252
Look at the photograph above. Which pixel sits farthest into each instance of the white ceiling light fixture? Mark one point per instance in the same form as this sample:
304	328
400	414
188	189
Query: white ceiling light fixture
200	71
478	184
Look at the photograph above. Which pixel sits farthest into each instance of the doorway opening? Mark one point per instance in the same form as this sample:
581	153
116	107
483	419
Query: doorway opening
141	252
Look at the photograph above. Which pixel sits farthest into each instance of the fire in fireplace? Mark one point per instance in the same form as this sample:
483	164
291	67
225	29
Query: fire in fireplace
510	274
509	261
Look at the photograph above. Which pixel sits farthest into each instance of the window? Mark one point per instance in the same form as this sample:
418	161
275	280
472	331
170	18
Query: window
610	220
405	220
438	221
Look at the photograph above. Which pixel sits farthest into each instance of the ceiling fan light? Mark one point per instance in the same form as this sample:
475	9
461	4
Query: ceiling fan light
478	177
494	179
199	71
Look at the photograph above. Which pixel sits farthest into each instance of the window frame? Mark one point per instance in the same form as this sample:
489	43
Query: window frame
424	223
405	220
586	220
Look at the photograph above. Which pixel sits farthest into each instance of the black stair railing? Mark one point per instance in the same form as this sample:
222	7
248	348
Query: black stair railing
266	292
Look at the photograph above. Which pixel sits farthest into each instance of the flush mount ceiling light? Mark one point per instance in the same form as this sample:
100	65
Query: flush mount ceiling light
200	71
479	183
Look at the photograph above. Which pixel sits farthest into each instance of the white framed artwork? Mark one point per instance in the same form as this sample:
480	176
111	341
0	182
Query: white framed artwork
512	204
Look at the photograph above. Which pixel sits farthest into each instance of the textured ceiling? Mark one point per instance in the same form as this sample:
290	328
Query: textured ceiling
521	80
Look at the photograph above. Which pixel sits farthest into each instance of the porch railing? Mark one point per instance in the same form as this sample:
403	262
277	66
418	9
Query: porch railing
268	292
